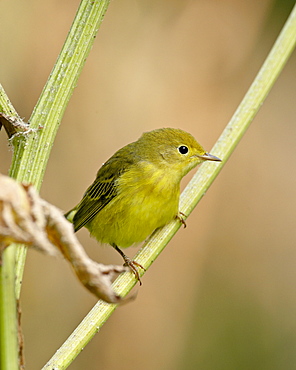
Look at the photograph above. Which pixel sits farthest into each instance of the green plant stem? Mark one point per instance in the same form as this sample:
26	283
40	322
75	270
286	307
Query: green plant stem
5	104
8	304
197	187
8	315
31	155
31	152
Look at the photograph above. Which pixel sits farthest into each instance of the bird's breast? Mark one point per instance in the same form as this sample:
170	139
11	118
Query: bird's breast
146	200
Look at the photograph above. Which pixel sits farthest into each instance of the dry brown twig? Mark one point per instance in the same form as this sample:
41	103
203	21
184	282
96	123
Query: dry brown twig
28	219
14	125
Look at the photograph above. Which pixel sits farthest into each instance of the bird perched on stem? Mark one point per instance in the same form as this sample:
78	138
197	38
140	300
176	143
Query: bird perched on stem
137	190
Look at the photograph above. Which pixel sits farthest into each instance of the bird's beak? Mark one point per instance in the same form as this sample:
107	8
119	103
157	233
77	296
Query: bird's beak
209	157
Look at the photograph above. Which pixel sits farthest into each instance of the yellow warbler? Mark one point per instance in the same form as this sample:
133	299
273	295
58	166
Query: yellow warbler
137	190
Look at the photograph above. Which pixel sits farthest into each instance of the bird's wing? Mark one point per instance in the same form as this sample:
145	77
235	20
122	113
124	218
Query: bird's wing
100	193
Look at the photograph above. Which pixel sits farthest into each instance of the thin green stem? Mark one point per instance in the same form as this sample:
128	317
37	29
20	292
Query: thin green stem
5	104
31	152
8	305
206	174
8	314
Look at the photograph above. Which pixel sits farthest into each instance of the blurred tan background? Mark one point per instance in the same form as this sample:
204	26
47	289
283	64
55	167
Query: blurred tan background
222	295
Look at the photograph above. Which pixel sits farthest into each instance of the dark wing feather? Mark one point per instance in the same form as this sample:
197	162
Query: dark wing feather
98	195
103	189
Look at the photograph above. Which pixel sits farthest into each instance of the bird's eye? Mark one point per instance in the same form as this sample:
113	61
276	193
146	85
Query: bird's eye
183	149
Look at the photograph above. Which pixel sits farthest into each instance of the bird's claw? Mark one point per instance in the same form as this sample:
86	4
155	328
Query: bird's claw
180	216
133	267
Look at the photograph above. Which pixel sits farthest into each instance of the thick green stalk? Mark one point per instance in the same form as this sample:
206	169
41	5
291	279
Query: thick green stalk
227	142
31	153
30	158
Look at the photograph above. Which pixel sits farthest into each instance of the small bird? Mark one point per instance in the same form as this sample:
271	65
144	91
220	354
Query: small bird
137	190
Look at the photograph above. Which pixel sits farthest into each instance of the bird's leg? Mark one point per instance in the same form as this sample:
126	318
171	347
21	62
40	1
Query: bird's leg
130	263
180	216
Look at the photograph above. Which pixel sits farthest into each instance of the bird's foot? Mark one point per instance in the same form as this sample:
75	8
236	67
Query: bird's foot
133	265
181	217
